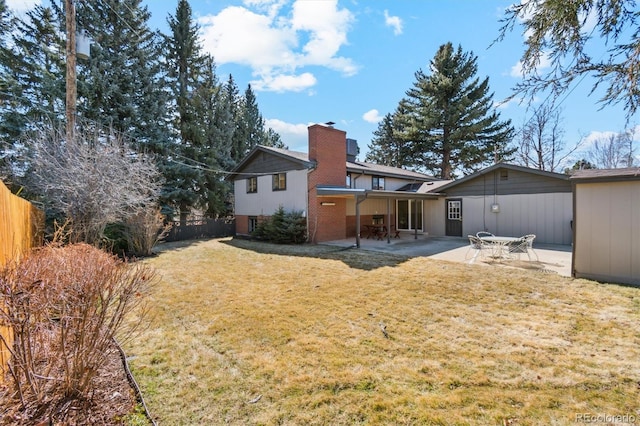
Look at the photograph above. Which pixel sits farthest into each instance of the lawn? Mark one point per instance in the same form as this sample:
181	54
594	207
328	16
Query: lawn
243	332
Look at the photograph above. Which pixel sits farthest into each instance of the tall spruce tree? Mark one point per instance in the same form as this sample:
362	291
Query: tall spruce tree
273	139
9	92
390	145
216	151
33	83
122	84
252	121
184	62
454	125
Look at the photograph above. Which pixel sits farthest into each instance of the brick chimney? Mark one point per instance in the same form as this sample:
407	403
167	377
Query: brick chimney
328	149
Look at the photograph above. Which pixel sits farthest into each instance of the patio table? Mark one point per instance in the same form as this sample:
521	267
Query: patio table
499	245
376	231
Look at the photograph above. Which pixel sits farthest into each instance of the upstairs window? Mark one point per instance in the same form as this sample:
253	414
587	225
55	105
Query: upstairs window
504	174
252	185
377	182
280	182
348	180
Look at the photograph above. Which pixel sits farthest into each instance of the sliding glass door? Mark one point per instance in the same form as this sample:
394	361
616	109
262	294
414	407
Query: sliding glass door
409	214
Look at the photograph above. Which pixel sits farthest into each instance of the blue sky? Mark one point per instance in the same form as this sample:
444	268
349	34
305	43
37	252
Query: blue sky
350	62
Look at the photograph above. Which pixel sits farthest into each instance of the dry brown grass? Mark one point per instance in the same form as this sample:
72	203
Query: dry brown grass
298	328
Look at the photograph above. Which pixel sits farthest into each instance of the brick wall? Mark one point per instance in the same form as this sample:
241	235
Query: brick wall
328	149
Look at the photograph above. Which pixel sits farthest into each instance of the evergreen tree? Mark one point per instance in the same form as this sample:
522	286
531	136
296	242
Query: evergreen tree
390	146
218	128
32	78
252	122
233	104
561	31
9	93
122	84
184	62
454	125
273	139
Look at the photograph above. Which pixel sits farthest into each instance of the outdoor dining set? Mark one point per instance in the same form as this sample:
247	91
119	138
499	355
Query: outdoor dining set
488	246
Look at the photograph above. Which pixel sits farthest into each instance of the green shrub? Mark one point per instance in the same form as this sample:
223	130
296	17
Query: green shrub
283	227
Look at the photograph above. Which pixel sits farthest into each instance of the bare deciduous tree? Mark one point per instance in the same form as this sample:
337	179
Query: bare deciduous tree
614	151
540	141
94	180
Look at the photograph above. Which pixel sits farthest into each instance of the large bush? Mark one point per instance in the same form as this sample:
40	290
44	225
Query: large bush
65	306
283	227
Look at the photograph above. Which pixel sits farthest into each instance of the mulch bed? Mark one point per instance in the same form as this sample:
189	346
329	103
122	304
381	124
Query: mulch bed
112	398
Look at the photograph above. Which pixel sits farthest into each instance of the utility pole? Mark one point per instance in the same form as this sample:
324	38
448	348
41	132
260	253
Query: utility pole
70	11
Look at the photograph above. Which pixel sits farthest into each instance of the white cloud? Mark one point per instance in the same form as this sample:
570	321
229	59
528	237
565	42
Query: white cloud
284	83
293	135
19	6
394	22
372	116
276	45
516	70
595	136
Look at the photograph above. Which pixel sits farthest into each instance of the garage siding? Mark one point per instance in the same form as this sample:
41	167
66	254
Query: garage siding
607	237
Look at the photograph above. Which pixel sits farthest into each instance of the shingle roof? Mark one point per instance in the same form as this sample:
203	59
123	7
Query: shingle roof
607	174
352	166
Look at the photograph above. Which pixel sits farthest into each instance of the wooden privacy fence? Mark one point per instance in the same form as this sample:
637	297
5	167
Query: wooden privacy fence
201	228
21	228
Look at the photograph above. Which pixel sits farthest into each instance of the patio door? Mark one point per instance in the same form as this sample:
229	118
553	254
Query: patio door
454	217
409	215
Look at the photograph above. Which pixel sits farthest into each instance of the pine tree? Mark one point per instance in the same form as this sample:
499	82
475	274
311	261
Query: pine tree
32	78
252	121
389	145
122	84
216	120
454	125
273	139
184	62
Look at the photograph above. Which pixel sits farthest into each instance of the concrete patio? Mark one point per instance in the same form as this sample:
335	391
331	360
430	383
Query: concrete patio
551	258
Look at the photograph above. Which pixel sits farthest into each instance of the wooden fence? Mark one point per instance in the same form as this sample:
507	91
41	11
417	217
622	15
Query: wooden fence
21	228
201	228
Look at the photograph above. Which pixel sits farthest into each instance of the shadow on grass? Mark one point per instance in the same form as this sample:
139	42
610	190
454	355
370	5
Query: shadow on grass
359	259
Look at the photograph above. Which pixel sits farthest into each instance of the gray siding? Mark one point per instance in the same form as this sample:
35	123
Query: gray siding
607	240
517	182
548	216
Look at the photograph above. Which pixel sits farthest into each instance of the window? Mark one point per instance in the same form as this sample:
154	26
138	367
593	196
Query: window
253	223
377	182
280	182
454	210
348	180
252	184
504	174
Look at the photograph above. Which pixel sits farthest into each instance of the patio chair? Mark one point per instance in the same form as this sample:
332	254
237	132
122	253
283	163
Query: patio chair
484	234
530	238
523	245
476	246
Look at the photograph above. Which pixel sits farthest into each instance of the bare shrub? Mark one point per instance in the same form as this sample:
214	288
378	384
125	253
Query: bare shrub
144	230
65	306
95	179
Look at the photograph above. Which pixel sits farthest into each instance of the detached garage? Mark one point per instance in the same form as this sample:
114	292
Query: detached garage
606	236
507	200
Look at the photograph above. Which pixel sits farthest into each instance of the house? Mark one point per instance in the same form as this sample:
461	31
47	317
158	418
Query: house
508	200
337	194
606	240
